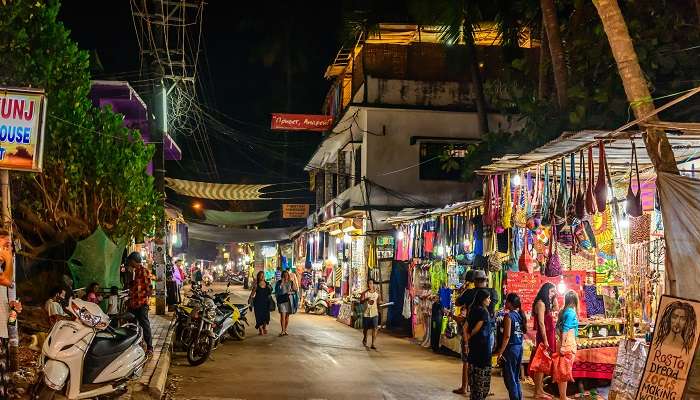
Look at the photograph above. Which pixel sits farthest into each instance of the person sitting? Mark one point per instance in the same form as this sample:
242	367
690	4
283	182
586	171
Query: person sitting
53	305
92	294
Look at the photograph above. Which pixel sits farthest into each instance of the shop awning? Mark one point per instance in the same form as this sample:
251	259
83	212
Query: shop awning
685	142
230	218
215	191
215	234
412	214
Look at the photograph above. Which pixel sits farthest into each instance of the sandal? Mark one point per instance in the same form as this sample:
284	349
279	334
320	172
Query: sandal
459	391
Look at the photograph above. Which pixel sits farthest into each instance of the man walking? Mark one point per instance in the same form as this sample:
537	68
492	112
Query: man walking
139	295
370	298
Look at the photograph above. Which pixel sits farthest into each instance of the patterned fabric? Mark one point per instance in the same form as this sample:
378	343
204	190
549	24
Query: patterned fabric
140	289
640	228
479	382
594	303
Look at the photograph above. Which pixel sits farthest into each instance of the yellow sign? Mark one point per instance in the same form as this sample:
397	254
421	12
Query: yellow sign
22	119
290	211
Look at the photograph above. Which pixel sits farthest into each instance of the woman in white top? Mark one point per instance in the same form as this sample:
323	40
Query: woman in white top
370	298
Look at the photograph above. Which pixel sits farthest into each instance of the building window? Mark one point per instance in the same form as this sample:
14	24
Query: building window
440	161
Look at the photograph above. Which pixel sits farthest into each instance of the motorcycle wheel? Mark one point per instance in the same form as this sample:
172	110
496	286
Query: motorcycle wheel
321	310
237	331
199	351
42	392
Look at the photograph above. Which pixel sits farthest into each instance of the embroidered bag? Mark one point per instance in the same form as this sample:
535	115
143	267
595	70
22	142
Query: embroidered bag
553	267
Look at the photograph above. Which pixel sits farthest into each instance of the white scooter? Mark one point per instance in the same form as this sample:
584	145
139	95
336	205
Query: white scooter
93	358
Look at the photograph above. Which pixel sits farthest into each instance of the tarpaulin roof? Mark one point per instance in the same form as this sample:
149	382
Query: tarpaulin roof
209	233
215	191
96	259
230	218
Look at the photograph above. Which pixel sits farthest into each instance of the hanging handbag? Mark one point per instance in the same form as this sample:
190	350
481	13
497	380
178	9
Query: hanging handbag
271	299
546	194
560	209
580	198
520	217
591	206
601	187
507	210
634	201
496	258
553	266
526	263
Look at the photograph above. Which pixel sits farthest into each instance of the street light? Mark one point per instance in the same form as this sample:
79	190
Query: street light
197	205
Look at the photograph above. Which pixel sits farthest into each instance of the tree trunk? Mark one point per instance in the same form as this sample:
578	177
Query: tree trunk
697	9
480	98
635	84
551	25
543	72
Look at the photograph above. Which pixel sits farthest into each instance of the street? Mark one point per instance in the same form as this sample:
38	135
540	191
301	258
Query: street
320	359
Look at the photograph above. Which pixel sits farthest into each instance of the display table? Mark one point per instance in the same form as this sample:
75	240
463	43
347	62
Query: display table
597	363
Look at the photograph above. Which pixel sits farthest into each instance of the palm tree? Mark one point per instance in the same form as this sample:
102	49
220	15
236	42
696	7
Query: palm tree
636	88
551	26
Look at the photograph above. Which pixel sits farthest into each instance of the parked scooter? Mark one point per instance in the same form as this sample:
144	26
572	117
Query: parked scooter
87	358
318	303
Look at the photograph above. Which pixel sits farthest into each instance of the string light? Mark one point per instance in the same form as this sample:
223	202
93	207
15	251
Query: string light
561	287
400	235
516	180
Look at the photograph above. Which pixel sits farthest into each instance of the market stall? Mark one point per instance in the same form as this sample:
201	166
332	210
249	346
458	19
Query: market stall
581	212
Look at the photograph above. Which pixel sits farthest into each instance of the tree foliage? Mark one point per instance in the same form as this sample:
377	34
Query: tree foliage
94	167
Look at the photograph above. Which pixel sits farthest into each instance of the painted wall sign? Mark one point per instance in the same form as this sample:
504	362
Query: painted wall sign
290	211
301	122
672	349
22	120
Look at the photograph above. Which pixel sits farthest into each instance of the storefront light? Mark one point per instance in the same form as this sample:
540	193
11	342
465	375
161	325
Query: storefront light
561	287
333	259
400	235
347	239
311	240
624	222
515	180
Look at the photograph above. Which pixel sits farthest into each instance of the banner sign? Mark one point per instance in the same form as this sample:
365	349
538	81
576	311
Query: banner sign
290	211
22	120
526	285
301	122
672	349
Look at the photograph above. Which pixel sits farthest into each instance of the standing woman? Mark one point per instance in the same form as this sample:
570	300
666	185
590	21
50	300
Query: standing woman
479	337
544	307
284	289
260	299
511	347
567	329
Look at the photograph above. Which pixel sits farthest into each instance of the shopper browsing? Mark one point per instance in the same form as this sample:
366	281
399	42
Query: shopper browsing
478	335
567	330
544	307
511	345
284	289
370	320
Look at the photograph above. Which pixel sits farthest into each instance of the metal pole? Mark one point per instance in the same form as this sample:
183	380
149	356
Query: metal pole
12	290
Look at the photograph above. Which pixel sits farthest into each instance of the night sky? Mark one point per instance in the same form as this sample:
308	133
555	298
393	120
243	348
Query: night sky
243	75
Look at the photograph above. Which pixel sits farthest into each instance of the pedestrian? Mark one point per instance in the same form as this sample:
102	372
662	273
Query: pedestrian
567	330
370	316
197	276
283	290
544	307
260	300
139	295
465	298
478	335
92	295
510	348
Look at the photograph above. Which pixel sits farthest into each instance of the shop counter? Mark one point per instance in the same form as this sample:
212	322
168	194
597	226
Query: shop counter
595	363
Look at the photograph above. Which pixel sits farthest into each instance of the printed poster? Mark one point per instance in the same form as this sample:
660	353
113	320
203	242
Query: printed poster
672	350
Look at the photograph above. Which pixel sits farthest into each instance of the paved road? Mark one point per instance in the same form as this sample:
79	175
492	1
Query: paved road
320	359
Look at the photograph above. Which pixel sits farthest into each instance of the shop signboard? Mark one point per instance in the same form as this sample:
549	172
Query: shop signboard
526	285
676	334
301	122
292	211
22	120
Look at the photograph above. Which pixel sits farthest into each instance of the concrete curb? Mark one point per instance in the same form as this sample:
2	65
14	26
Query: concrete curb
156	386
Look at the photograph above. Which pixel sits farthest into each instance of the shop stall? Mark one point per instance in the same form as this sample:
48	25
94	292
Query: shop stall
581	212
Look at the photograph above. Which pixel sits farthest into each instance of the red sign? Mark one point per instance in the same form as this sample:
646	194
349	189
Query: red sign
301	122
526	285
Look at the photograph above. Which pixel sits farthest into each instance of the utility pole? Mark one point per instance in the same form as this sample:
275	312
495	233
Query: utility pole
157	117
13	344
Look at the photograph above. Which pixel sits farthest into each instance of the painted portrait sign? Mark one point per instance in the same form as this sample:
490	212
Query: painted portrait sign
672	350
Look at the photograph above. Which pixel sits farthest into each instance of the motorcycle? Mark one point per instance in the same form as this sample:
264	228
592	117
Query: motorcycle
201	339
232	316
87	358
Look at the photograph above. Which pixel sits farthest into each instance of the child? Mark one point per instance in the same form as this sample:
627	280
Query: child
511	346
93	293
113	305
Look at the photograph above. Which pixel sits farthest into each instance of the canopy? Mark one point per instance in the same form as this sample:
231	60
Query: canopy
231	218
215	191
209	233
96	259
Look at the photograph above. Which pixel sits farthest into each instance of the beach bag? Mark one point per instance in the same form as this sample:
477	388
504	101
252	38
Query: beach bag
553	267
601	188
562	367
591	206
541	362
580	197
526	263
273	305
562	202
634	201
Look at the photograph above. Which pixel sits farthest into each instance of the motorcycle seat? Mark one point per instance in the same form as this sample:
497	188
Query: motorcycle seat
114	342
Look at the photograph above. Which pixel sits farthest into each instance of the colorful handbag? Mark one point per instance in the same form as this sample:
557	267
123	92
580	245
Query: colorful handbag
634	201
580	198
507	210
526	263
601	188
553	266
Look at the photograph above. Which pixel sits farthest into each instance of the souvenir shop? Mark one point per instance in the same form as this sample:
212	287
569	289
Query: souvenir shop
434	249
582	213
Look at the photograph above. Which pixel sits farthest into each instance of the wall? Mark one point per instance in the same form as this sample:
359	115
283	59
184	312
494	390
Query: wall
383	154
451	95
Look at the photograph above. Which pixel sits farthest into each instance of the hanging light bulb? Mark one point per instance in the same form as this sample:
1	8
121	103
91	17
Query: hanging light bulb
311	240
515	180
400	235
561	287
347	239
610	193
624	222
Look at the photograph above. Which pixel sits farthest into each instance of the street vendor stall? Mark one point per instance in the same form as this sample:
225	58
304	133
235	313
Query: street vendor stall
581	212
